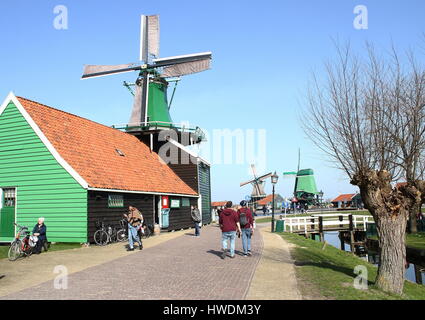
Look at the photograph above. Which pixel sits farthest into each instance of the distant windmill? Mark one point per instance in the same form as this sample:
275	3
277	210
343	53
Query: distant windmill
150	106
257	184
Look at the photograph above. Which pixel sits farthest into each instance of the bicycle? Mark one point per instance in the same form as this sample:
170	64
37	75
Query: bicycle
20	247
104	234
122	233
148	231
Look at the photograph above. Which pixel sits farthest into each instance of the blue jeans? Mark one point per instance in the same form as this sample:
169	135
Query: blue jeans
197	229
246	240
132	236
230	235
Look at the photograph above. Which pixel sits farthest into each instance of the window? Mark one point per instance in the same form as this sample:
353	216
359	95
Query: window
9	197
115	201
175	203
185	202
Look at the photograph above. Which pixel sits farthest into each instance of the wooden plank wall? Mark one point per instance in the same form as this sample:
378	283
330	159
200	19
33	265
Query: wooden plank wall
98	209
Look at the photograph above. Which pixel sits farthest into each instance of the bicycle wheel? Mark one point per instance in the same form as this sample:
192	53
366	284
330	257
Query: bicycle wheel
14	250
101	237
147	233
122	235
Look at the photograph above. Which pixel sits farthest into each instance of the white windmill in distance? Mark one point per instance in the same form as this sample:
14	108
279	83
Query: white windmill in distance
257	183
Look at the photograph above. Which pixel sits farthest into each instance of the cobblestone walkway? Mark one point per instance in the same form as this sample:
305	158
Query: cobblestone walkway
183	268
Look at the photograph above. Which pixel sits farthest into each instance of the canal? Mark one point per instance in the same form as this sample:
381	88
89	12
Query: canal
333	239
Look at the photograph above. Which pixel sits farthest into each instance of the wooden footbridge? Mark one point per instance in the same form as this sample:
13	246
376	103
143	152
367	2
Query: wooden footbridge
319	223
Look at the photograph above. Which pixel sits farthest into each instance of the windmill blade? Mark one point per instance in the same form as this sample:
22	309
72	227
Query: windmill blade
264	177
140	105
91	71
248	182
254	171
149	37
163	62
182	69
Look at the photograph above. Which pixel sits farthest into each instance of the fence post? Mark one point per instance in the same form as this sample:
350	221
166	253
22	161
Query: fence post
351	227
321	228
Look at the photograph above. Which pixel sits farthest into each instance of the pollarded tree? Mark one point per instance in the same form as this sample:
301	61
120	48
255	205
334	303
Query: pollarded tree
350	117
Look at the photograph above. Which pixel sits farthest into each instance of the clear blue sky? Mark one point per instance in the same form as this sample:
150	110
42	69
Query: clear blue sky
263	54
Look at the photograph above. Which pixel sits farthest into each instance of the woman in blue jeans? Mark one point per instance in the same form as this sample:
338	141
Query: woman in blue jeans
246	222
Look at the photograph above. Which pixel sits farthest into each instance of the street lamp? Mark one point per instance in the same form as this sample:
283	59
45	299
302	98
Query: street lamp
274	178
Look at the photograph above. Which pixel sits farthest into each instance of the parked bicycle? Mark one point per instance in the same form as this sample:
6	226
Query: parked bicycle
122	233
22	245
146	231
107	233
104	234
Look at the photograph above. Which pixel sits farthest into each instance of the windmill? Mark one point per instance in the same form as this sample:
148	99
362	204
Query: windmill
150	112
305	189
257	184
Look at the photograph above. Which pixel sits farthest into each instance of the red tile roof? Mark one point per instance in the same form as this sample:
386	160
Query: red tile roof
267	200
344	197
218	203
90	149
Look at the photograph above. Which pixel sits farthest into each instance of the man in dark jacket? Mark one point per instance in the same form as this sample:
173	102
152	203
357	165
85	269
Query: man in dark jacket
246	222
39	231
229	224
196	218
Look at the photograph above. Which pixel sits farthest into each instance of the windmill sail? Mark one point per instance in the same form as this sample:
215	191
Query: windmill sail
91	71
149	37
182	69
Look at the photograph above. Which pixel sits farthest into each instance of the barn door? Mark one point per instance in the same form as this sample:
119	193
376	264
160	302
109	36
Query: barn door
7	212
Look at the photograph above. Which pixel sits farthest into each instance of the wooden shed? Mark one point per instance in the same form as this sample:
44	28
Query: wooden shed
74	171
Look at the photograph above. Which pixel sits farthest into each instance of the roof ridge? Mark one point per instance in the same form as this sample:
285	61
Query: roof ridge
71	114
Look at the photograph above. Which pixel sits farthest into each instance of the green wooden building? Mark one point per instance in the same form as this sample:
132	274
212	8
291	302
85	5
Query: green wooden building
73	171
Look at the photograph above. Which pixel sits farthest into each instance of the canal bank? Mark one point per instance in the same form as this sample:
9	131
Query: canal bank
331	271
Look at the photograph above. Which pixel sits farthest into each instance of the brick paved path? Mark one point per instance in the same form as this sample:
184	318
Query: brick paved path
186	267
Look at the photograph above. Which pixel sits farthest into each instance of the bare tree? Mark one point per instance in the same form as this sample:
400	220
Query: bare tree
357	116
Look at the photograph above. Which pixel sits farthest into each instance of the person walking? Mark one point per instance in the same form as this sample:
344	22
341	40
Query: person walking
246	222
134	219
196	218
229	224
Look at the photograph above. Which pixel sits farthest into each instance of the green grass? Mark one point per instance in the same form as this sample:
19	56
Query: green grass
416	240
58	246
331	271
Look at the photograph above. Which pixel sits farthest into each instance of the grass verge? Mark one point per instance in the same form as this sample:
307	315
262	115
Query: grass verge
331	271
53	247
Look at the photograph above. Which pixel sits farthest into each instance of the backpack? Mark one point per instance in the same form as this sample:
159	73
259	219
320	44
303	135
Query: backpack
243	219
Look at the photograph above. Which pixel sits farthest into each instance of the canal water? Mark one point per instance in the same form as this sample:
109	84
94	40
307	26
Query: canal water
333	239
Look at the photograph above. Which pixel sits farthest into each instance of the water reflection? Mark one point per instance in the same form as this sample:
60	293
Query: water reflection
372	257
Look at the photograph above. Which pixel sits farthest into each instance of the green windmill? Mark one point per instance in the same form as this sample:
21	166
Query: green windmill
151	109
305	189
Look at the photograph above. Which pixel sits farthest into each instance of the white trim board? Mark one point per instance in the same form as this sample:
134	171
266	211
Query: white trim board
12	98
146	192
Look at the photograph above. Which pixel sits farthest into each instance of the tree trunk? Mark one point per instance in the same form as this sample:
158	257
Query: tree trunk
413	214
391	270
390	210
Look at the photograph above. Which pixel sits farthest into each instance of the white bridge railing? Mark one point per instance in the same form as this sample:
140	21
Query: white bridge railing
323	222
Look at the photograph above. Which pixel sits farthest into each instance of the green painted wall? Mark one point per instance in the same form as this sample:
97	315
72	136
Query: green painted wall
205	191
44	188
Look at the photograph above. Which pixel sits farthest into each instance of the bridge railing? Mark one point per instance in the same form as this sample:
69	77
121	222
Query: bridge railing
322	222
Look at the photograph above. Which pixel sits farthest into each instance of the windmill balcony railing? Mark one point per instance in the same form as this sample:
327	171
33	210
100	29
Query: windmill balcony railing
160	125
